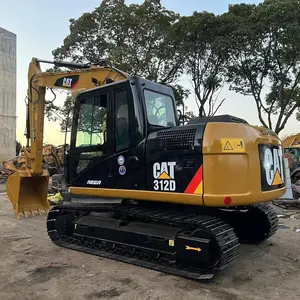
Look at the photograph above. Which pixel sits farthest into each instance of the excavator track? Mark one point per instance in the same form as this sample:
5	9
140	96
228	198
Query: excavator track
253	225
79	227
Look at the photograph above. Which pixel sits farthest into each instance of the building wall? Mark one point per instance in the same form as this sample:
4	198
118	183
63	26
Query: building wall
7	95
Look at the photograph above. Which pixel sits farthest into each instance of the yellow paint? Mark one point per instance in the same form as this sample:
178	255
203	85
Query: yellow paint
26	193
233	145
170	197
291	141
227	146
27	188
277	179
192	248
199	189
235	175
171	243
164	175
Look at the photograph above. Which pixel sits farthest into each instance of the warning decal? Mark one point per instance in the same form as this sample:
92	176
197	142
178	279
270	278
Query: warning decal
231	145
227	146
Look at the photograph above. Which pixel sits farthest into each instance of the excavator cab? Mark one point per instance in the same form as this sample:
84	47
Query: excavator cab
109	132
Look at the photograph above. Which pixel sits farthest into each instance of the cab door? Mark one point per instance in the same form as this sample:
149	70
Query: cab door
127	162
91	142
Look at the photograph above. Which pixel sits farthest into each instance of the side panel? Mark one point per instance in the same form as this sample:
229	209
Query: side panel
174	160
174	166
233	166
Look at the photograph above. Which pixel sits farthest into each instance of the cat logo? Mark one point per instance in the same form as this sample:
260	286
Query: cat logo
67	82
274	176
164	175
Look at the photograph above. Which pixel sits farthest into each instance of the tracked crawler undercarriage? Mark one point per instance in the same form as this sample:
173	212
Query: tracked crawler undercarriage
190	243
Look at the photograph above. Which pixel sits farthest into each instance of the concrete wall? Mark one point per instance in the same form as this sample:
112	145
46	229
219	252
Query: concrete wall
7	95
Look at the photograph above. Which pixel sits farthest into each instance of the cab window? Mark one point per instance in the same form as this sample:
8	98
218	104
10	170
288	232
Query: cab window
160	109
122	120
92	122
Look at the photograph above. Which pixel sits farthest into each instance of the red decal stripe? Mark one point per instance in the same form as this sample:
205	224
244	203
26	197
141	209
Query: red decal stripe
74	86
194	182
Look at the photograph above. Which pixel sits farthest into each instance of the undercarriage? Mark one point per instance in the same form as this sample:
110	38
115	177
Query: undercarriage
190	242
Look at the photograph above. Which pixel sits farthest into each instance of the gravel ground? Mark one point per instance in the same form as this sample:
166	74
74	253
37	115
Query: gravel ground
31	267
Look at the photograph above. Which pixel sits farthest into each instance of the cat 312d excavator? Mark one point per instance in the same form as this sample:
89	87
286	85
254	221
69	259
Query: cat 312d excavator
142	188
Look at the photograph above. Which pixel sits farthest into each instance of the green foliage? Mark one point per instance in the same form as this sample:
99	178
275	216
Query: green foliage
180	93
62	114
264	55
203	43
251	48
135	38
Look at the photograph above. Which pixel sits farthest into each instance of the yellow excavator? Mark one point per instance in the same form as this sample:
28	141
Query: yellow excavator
53	157
142	188
291	148
292	140
53	161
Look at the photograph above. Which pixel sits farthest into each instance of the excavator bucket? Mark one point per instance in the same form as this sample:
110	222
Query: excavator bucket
28	193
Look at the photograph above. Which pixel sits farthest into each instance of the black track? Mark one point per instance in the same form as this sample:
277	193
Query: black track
254	225
225	237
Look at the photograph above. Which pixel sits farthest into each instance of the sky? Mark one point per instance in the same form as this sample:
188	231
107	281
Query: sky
41	26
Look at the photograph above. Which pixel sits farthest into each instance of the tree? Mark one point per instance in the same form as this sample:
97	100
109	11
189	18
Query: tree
135	38
265	57
62	113
204	46
138	39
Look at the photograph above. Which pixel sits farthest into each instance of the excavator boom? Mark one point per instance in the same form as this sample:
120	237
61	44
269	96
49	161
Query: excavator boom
27	188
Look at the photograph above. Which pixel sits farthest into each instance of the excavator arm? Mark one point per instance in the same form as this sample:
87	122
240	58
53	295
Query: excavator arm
27	188
291	141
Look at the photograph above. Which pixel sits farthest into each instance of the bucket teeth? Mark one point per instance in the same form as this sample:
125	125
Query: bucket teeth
31	212
20	186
